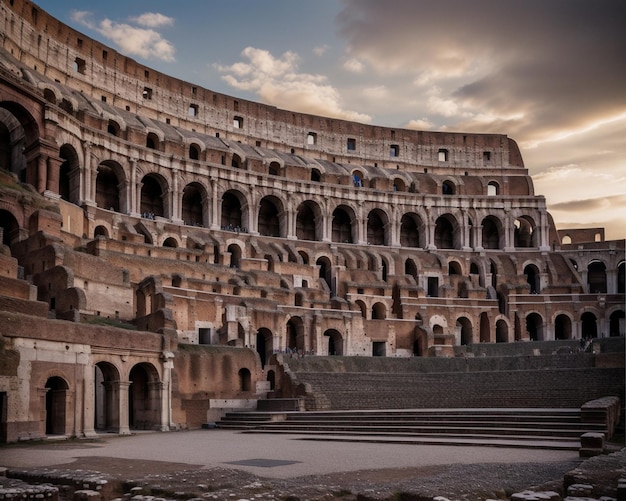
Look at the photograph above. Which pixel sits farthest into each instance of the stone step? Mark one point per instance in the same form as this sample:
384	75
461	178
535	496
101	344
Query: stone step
427	430
561	427
542	443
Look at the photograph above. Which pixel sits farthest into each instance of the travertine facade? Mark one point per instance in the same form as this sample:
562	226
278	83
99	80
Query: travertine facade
210	220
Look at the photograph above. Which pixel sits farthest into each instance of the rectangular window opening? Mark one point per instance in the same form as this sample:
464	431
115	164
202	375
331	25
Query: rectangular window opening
351	144
147	93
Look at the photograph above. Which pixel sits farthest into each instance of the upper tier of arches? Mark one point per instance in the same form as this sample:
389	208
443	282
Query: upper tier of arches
70	69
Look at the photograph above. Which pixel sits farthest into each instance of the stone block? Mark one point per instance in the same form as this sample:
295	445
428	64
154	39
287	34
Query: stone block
87	495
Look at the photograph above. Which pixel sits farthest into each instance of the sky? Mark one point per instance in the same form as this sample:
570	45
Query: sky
551	74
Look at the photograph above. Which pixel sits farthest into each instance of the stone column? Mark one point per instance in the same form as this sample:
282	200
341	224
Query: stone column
53	168
215	214
89	394
42	171
133	196
123	406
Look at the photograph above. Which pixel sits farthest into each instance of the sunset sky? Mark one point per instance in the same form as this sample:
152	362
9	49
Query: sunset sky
551	74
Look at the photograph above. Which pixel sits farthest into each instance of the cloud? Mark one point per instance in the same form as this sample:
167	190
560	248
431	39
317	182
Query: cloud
353	65
419	124
554	64
153	20
132	40
320	50
278	82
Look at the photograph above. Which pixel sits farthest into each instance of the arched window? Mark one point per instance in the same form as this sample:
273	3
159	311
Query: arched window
194	152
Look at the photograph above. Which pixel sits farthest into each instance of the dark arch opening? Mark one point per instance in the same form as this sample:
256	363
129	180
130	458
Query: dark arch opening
151	197
342	226
56	404
269	222
231	212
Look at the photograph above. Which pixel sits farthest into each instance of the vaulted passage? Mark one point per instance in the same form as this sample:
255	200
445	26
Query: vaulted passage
342	227
231	212
193	204
269	223
151	197
306	223
107	187
56	405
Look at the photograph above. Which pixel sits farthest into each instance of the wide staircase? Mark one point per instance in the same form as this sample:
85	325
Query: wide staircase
541	395
557	429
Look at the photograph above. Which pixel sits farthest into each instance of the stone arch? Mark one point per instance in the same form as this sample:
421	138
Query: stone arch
621	277
447	234
377	224
343	227
589	325
325	271
235	255
334	342
525	234
238	162
448	187
379	311
465	331
399	184
155	141
493	189
101	231
10	228
264	344
194	151
532	275
106	397
412	231
194	204
295	335
144	397
69	174
232	215
562	326
410	268
275	168
271	217
455	267
534	326
492	233
170	242
309	221
154	190
362	306
617	325
485	328
596	277
502	331
19	132
245	380
110	176
56	405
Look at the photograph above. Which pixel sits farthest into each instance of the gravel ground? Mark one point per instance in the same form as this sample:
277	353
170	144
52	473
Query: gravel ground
471	482
120	466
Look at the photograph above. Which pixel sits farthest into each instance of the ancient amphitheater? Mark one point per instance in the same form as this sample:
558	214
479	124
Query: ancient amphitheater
169	252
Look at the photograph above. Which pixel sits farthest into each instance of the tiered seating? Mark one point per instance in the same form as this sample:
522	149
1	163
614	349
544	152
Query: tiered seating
529	428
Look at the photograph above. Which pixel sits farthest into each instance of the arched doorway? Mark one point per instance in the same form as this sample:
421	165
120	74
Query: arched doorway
562	327
376	220
534	327
9	227
307	221
502	331
152	197
596	277
531	272
485	328
106	397
411	229
107	186
589	325
616	323
144	400
464	331
269	220
193	203
445	232
245	380
56	405
231	212
335	342
342	226
264	344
